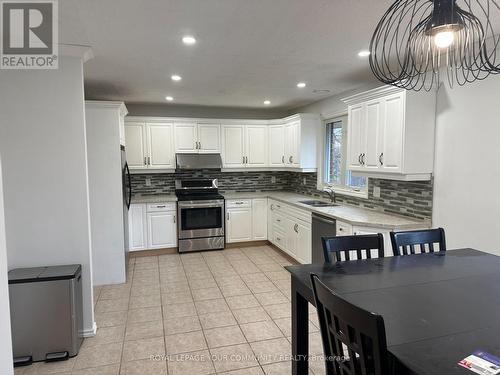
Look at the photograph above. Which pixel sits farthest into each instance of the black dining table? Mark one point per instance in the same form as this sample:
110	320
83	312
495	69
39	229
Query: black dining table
438	308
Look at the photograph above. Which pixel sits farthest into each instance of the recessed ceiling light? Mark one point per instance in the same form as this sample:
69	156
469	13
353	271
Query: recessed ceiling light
188	40
301	85
364	53
267	102
169	98
176	77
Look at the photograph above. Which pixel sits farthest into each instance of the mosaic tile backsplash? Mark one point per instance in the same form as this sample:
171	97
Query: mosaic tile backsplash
411	199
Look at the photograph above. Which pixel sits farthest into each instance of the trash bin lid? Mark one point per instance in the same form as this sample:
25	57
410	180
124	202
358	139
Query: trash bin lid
50	273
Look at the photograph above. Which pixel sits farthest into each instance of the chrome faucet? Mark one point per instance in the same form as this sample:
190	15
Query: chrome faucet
331	193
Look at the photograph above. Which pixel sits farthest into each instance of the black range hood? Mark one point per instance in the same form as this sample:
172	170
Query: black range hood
189	162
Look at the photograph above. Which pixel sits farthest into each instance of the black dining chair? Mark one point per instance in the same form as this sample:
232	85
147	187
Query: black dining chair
341	248
417	241
354	340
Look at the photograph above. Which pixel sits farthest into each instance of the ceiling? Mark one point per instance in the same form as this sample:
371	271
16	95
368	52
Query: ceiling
247	50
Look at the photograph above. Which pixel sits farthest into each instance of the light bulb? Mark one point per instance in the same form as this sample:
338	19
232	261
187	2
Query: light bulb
444	39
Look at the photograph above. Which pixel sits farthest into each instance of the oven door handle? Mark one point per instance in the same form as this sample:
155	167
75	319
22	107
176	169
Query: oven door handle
201	205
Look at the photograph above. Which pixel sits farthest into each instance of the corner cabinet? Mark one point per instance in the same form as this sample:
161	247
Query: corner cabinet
391	134
290	229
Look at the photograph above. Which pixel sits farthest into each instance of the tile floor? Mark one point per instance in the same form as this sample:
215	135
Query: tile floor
221	312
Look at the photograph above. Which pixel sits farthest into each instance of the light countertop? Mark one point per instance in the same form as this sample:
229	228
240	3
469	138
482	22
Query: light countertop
160	198
350	214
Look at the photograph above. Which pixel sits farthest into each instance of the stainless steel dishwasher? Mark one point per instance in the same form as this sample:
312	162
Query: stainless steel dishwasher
322	226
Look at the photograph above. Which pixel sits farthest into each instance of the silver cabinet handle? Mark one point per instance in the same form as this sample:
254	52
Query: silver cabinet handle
175	219
239	202
228	216
290	159
341	229
381	158
272	207
199	145
363	159
163	206
278	206
145	160
278	220
243	160
277	238
296	228
149	160
359	159
283	159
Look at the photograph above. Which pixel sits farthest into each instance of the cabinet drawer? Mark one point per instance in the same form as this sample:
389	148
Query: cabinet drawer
279	220
159	207
344	229
275	206
239	203
299	214
279	238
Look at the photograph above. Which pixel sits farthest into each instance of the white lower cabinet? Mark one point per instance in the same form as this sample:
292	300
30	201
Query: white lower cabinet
162	230
246	220
289	228
152	226
137	230
359	231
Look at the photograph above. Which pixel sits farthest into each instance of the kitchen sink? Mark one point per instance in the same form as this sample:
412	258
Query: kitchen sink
315	203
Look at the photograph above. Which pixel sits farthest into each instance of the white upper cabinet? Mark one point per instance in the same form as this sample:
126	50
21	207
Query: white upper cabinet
161	146
391	133
186	137
150	145
197	138
233	146
135	138
292	144
209	138
256	138
289	143
277	146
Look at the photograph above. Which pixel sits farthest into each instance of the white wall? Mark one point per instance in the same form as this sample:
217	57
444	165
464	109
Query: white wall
6	366
43	146
466	199
105	188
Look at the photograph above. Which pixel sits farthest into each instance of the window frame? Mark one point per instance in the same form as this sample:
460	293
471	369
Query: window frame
322	167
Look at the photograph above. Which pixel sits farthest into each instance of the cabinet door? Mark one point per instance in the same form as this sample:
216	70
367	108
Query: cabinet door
291	238
259	219
256	146
161	146
186	137
239	224
161	230
276	145
392	134
304	243
137	227
292	144
233	146
209	138
373	123
355	138
136	145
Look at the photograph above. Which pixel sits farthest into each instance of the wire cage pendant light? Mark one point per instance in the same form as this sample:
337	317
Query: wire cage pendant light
418	41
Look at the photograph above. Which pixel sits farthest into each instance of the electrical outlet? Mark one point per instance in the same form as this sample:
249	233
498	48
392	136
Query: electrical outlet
304	181
376	191
273	179
148	182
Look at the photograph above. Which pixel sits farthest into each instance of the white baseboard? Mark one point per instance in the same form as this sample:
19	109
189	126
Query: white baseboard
90	332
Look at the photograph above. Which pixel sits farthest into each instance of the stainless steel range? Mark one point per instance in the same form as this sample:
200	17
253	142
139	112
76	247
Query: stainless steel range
201	213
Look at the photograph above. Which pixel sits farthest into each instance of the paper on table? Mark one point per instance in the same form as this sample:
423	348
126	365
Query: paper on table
482	363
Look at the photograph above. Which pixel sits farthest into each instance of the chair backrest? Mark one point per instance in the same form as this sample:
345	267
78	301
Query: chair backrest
340	248
418	241
354	340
